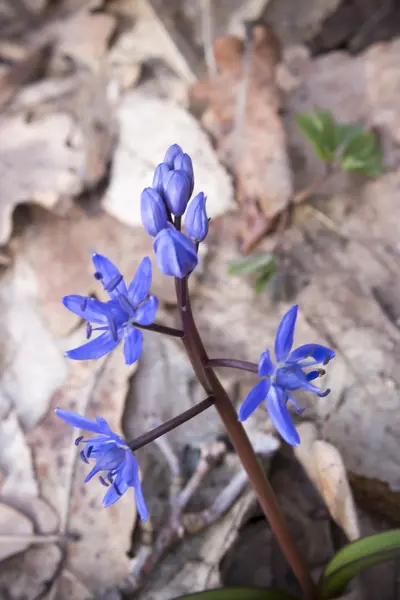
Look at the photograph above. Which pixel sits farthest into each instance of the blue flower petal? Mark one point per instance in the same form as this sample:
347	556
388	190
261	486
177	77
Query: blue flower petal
133	342
254	399
285	334
140	285
90	309
95	348
172	153
130	473
265	366
159	177
76	420
146	313
112	495
153	211
109	275
196	220
319	354
177	191
293	378
175	253
280	417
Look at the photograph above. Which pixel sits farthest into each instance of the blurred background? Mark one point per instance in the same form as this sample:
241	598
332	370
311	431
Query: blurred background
91	96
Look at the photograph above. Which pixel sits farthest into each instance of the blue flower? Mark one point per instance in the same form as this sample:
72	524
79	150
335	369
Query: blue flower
112	456
175	253
153	211
117	317
196	220
279	381
177	190
171	154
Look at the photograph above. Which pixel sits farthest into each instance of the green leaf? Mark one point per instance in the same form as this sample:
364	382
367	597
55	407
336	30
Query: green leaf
321	130
238	594
250	264
265	276
362	154
359	555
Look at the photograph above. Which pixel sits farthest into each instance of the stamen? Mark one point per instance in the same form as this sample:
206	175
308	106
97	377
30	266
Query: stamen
83	304
103	481
321	372
113	283
326	360
110	477
113	328
89	331
89	451
83	457
78	440
325	393
117	489
98	276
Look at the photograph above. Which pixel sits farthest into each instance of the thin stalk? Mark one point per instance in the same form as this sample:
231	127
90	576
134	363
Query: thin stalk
173	423
243	365
162	329
265	494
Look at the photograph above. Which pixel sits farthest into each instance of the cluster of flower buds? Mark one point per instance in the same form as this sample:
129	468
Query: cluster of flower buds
162	207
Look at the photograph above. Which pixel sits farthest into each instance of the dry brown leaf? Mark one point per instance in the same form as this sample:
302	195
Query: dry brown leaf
12	78
13	523
99	557
36	165
243	117
148	126
85	37
325	468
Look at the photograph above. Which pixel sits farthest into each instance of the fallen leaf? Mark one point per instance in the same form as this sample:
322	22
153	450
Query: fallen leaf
13	523
85	37
148	126
325	468
27	577
298	22
36	165
94	388
243	117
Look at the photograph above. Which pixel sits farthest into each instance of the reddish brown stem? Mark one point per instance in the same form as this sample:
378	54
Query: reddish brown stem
266	497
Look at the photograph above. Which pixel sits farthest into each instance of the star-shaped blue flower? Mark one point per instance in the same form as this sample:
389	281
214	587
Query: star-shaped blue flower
117	317
278	381
112	456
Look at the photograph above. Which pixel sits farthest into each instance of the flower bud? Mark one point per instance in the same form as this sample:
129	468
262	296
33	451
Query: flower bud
160	174
175	253
153	211
184	163
177	191
196	220
171	154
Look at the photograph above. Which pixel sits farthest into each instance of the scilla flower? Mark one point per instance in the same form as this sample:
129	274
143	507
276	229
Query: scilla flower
116	319
162	207
278	381
113	458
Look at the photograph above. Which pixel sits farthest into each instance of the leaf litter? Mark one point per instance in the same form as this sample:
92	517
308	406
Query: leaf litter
40	494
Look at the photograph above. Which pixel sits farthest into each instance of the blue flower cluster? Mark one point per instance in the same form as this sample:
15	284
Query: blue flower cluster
112	456
288	375
173	183
116	319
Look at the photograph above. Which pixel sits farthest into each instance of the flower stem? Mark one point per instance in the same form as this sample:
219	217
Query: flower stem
173	423
243	365
162	329
265	494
